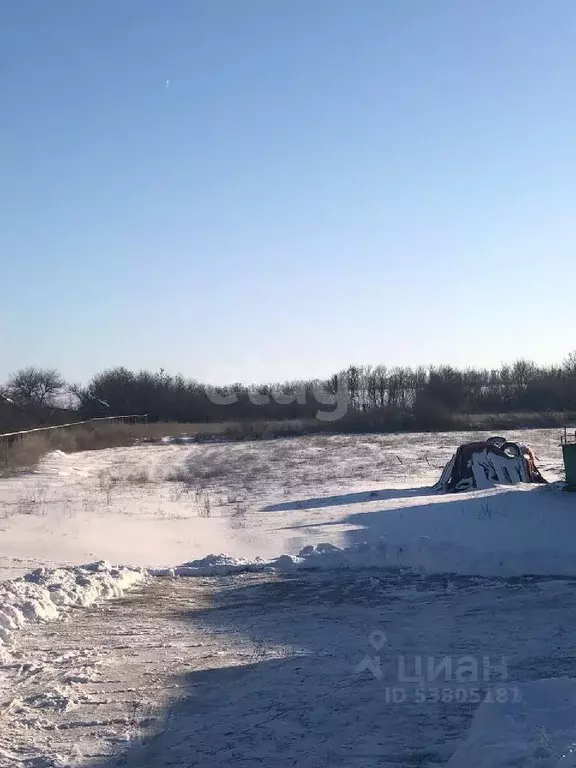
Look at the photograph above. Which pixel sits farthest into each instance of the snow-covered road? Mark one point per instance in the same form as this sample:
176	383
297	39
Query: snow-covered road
312	670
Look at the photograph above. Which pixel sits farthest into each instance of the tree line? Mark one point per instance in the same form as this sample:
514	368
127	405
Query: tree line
375	396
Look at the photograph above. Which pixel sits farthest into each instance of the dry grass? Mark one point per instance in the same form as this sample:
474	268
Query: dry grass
239	467
203	470
24	454
264	430
501	421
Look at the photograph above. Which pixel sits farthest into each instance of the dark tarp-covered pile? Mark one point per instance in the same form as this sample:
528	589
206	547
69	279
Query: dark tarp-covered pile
482	464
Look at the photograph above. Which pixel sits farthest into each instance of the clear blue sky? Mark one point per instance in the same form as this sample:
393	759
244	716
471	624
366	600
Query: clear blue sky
266	189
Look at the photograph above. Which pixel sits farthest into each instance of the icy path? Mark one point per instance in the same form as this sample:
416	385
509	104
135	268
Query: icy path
259	670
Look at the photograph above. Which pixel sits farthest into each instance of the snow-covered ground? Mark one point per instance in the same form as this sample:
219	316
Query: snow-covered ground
355	618
318	669
535	728
157	506
43	594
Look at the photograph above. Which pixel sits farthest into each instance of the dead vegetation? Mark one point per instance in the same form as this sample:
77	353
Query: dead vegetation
23	454
118	483
236	468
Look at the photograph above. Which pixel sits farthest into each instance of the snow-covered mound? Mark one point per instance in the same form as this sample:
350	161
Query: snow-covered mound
182	440
526	724
43	594
515	548
215	565
425	556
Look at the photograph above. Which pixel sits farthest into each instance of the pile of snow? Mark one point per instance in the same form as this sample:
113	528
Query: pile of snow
43	594
182	440
421	555
215	565
532	725
427	557
189	439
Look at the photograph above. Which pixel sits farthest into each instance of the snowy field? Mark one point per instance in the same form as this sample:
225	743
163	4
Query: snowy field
340	614
157	506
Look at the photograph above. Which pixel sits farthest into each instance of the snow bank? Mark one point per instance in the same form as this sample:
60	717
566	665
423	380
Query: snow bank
214	565
314	557
534	727
189	439
518	531
422	556
426	556
43	594
182	440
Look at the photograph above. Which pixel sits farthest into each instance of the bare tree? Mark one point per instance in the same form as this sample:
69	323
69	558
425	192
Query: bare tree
34	386
569	364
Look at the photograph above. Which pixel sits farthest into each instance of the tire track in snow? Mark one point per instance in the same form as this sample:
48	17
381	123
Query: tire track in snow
256	669
77	689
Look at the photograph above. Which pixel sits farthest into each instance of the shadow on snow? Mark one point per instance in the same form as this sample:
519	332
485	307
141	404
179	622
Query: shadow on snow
349	498
285	690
